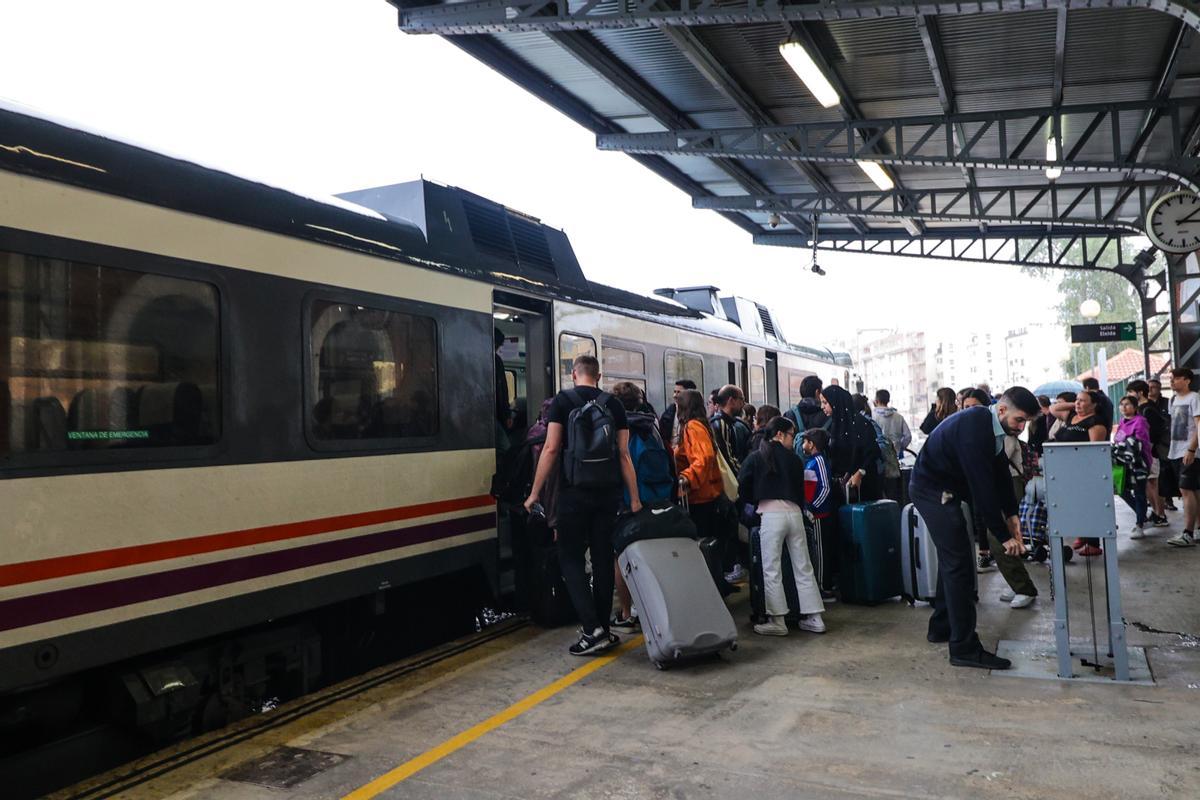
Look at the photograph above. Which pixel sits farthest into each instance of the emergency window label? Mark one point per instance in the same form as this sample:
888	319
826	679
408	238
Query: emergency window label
100	435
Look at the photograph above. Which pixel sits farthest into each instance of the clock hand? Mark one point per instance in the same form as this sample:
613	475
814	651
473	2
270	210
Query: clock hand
1188	218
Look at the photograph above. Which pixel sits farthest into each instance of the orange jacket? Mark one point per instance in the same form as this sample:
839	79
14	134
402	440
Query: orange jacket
696	460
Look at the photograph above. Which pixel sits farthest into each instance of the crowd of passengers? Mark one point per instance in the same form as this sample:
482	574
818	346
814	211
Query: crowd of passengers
795	467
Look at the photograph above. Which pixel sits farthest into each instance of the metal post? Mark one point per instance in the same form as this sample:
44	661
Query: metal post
1116	623
1062	623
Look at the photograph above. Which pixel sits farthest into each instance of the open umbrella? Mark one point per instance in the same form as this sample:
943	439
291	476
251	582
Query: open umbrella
1054	388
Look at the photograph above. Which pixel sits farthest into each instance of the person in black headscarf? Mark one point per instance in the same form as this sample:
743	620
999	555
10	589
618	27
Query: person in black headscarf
853	452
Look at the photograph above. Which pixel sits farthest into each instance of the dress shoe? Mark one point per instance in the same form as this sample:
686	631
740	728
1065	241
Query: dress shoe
981	659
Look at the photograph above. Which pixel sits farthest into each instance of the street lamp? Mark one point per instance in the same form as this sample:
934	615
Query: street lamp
1089	310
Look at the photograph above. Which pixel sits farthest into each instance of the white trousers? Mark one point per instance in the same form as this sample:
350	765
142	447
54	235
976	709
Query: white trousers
782	529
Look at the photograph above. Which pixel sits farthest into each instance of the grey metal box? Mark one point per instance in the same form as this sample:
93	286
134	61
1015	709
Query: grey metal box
1079	490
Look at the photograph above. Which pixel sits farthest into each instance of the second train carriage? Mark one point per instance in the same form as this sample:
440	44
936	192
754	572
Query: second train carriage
224	403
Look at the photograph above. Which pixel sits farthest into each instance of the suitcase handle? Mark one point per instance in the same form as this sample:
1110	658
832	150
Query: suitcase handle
912	544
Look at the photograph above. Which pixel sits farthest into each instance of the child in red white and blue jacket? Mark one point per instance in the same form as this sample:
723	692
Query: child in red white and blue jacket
819	501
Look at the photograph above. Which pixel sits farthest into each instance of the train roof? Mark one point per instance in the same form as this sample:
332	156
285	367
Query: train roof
420	222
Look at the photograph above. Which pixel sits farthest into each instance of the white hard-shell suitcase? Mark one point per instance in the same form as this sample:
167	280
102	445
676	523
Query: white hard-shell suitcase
681	611
918	557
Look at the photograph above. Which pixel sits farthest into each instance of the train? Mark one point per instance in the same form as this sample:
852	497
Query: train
235	418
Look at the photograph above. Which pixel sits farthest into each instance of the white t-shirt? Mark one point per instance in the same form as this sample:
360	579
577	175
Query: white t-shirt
1184	410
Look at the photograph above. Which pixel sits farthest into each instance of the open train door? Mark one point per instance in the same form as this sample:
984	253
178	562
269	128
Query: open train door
527	359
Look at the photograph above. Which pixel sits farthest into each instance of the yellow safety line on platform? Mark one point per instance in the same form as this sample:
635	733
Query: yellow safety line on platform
436	754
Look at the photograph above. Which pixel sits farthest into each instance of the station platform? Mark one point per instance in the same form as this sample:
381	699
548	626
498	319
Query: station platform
867	710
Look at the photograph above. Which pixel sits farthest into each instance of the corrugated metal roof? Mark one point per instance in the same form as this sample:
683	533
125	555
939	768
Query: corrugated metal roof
993	62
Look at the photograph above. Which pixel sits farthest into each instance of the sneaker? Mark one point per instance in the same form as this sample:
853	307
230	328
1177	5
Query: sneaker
1158	522
1022	601
1078	543
812	623
986	563
1137	532
1089	551
737	575
828	597
1182	540
630	625
774	626
981	659
1007	595
597	641
1170	506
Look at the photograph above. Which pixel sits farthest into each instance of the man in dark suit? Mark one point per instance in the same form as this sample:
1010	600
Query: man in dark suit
963	461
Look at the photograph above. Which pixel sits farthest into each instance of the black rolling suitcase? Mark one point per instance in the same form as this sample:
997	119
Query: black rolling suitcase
758	599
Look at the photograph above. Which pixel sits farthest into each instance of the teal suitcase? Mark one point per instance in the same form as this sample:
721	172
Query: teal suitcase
870	551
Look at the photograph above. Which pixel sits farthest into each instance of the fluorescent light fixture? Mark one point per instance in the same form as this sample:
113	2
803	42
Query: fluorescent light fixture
911	226
877	174
1053	173
501	315
814	80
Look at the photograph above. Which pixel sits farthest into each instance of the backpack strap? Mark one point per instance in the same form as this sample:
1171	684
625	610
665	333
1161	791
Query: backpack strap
576	397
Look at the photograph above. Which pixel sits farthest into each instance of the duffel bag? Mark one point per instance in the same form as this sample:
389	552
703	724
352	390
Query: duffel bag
657	520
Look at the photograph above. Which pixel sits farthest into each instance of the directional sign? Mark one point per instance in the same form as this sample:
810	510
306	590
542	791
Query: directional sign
1104	332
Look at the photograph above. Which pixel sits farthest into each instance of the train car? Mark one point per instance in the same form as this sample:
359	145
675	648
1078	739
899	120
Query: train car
226	409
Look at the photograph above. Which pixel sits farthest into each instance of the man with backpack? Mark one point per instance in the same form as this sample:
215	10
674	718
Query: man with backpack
807	414
891	422
588	440
655	470
730	431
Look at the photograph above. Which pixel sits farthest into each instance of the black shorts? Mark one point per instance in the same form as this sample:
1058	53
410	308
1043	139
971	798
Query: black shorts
1189	477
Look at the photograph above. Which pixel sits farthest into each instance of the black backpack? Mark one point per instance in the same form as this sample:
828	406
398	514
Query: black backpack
514	476
590	460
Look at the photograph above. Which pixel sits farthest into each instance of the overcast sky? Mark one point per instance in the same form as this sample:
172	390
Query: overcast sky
327	96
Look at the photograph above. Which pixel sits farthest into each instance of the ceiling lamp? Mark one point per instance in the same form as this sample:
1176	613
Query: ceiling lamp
814	80
1053	173
877	174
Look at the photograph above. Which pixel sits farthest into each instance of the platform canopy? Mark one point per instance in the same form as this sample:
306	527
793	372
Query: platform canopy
1020	131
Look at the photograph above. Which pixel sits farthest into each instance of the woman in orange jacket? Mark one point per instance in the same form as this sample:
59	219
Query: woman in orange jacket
700	477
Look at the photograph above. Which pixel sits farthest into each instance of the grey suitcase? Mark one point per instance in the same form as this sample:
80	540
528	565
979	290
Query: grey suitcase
918	557
681	611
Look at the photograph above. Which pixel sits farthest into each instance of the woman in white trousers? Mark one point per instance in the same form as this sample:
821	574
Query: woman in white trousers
772	480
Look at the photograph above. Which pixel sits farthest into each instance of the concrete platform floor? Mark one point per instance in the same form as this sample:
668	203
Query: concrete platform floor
868	710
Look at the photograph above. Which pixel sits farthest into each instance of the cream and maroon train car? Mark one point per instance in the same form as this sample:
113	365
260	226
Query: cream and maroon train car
224	405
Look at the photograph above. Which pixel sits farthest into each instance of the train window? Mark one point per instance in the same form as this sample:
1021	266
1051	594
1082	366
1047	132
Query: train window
570	347
678	366
794	380
758	384
622	364
374	373
101	358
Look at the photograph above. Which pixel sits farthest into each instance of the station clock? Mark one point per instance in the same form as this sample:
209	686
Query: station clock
1173	222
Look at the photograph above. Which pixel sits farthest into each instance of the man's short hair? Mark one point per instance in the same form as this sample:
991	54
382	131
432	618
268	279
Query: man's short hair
810	386
1066	397
728	392
629	394
1022	399
1155	380
819	438
498	337
982	397
1182	372
1092	384
883	396
685	383
587	365
1043	401
1139	387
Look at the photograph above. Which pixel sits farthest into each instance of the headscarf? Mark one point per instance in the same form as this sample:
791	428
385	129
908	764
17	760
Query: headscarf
842	439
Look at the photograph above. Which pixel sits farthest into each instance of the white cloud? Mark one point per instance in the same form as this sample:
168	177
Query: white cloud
327	97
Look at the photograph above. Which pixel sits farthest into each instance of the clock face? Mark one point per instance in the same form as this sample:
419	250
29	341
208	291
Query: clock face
1173	222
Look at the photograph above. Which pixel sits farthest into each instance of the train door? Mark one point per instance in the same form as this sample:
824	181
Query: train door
524	324
772	364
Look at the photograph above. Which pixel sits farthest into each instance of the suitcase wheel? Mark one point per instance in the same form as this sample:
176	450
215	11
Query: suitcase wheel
659	665
1068	553
732	646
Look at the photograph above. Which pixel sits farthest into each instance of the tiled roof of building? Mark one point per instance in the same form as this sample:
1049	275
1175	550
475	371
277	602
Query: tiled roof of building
1126	364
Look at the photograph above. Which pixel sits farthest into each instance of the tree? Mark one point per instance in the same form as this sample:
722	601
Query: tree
1117	299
